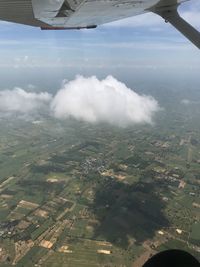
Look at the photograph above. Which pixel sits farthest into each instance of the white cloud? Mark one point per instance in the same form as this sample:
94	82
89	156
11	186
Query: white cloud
87	99
107	100
18	100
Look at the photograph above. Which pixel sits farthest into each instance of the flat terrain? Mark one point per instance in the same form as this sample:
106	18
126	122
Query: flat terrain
77	194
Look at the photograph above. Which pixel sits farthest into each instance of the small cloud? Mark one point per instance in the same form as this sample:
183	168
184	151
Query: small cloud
31	86
20	101
185	101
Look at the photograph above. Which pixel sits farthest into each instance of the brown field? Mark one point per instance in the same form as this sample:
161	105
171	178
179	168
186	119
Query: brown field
46	244
27	205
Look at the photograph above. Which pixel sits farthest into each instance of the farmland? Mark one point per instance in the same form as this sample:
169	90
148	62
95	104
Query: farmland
80	194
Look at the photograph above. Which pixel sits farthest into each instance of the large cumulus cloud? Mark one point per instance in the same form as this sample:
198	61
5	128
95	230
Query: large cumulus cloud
108	100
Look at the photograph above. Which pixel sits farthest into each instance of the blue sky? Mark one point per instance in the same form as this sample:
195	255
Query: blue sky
139	43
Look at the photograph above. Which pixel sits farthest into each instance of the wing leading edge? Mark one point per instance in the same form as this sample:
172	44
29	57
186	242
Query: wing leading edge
78	14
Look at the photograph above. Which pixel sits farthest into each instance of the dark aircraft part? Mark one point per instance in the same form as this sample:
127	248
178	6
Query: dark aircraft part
68	28
172	258
171	15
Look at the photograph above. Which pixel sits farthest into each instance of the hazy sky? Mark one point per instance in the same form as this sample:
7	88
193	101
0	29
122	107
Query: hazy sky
138	44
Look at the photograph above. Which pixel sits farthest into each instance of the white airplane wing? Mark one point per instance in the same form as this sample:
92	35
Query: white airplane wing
78	14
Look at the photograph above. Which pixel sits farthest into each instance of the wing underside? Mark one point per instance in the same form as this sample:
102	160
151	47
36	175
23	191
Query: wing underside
71	13
92	12
77	14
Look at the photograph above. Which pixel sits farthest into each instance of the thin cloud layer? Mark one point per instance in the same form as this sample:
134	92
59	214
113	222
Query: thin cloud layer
20	101
108	100
188	102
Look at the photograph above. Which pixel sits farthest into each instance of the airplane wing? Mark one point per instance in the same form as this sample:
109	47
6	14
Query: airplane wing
78	14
